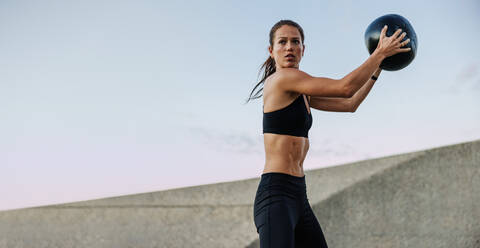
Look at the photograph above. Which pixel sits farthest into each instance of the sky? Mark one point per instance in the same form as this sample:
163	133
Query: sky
108	98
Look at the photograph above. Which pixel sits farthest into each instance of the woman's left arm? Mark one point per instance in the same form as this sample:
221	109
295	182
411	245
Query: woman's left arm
360	95
338	104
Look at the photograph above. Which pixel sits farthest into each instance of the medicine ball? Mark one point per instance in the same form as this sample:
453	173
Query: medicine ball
394	22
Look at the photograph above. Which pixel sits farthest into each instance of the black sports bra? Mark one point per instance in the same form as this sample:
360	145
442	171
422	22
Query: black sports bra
293	119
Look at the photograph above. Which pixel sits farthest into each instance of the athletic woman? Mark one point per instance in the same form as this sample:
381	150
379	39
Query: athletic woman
282	214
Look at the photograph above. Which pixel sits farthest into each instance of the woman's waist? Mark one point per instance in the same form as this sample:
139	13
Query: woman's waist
291	167
279	181
286	154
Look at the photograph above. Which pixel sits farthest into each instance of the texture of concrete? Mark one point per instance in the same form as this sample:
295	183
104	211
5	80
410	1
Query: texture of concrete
423	199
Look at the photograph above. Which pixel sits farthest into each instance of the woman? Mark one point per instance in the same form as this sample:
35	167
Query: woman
282	214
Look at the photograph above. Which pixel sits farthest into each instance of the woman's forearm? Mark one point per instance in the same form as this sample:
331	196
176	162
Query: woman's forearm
360	76
362	93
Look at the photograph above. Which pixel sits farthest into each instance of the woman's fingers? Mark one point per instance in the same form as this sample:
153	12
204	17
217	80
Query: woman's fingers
403	50
394	39
383	32
394	42
404	42
397	32
399	38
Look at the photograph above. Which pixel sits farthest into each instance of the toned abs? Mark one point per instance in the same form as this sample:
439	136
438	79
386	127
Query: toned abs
285	153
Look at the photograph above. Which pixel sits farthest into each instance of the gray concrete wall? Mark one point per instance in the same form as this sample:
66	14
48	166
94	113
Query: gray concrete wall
432	200
421	199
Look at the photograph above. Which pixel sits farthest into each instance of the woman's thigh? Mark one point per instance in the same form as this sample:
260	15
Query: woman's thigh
308	232
276	224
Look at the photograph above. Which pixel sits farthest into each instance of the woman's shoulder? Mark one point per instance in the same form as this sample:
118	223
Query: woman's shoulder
285	76
273	83
288	74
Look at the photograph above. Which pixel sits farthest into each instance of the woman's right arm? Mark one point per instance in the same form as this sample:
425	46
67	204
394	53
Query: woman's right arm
291	79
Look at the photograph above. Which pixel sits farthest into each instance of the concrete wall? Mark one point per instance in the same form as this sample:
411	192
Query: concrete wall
422	199
432	200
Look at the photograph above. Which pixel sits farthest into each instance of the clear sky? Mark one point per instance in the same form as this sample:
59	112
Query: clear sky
106	98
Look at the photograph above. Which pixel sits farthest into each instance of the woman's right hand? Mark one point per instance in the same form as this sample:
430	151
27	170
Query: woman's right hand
389	46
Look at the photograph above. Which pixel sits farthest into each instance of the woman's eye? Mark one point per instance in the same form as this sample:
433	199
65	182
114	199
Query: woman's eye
284	41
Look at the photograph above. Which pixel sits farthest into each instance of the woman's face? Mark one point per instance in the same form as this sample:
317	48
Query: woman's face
287	42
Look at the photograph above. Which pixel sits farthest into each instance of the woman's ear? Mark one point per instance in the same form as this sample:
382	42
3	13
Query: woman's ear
270	51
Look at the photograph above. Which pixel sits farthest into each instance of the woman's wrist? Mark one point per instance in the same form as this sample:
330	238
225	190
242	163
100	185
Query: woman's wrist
379	54
376	74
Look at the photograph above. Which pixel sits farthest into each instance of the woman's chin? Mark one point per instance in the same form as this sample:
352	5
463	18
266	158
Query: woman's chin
291	65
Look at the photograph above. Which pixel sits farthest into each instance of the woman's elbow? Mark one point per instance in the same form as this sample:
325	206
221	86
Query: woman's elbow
352	106
347	90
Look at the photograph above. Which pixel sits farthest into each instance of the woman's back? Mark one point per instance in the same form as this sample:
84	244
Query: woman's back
286	121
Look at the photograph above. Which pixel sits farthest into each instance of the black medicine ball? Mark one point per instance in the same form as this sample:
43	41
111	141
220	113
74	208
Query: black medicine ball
394	22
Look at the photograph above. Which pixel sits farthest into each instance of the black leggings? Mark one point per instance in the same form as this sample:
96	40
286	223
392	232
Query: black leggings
282	214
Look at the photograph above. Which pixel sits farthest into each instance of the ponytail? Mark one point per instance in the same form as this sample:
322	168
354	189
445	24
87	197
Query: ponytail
268	68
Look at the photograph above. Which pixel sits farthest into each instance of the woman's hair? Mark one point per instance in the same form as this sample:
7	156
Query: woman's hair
269	65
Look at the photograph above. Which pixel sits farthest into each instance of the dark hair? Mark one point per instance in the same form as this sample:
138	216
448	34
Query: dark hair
269	65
